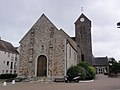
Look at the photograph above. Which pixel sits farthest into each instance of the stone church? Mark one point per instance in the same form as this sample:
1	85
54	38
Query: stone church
46	51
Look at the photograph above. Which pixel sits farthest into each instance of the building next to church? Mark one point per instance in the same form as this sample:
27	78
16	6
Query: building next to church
101	64
47	51
8	58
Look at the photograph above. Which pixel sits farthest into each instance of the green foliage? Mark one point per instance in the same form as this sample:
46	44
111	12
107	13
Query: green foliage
114	68
7	76
90	70
75	71
83	64
82	73
85	70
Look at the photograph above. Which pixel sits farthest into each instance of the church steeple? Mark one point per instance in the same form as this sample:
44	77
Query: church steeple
83	20
83	38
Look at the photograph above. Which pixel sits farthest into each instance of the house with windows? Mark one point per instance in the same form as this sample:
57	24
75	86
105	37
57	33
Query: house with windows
101	64
8	58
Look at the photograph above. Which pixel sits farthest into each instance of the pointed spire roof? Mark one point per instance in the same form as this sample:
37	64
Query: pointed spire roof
44	18
41	21
82	16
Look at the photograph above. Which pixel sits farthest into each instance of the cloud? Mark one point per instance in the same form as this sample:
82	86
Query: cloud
18	16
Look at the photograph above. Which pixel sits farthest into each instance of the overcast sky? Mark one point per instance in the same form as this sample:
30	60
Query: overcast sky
18	16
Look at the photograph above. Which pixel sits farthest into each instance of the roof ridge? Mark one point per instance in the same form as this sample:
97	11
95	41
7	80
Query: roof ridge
7	46
4	45
37	22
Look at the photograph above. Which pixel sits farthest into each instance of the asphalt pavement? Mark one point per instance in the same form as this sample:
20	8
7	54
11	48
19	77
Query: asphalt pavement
101	82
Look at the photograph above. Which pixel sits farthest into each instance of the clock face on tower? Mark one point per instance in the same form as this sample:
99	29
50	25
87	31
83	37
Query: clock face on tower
82	19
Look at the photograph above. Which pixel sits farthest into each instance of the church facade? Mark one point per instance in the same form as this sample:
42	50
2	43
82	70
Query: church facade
47	51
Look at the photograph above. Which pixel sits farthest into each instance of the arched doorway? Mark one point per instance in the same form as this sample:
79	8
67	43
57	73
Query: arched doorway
42	66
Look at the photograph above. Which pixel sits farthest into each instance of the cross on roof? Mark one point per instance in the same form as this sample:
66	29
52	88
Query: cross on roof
82	9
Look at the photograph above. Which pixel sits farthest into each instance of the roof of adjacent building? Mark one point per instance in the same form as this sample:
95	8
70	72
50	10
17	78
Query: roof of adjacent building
69	39
8	47
100	61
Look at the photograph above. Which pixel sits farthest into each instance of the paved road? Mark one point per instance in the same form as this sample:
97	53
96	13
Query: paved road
101	83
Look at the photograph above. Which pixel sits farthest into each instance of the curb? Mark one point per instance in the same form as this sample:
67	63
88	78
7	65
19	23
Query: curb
87	81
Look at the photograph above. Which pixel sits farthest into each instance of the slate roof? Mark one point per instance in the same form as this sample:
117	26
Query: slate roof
8	47
100	61
82	16
69	39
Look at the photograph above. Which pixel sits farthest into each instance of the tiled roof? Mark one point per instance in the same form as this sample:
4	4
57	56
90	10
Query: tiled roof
8	47
101	61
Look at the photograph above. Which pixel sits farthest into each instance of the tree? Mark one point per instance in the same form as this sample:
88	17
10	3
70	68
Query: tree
112	60
114	67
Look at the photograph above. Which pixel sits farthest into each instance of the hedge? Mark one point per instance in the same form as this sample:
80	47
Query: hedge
8	76
90	70
87	72
75	71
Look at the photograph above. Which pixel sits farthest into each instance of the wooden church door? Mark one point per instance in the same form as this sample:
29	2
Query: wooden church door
42	66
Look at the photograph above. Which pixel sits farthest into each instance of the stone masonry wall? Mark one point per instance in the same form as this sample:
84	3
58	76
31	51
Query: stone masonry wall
42	39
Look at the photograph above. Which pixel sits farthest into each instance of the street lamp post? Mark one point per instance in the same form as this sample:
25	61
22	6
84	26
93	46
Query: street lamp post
118	24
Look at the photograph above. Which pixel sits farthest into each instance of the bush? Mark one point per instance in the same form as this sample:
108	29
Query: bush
75	71
115	67
83	64
82	73
90	70
8	76
86	71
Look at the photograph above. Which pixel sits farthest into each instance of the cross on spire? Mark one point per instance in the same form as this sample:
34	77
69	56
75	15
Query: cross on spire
82	9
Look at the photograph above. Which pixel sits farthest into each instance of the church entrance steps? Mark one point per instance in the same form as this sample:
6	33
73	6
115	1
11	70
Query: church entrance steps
59	79
41	79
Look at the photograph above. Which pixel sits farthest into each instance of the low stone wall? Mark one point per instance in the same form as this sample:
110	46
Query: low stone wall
114	75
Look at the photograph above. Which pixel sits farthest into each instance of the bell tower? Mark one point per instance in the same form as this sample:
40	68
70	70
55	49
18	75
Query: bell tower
83	38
